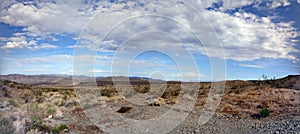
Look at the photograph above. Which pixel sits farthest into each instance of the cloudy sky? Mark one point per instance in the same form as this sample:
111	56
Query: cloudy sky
170	40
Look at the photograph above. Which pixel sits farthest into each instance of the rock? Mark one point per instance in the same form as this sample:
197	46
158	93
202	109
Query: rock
19	125
124	109
4	104
66	130
48	120
69	103
59	102
59	115
50	116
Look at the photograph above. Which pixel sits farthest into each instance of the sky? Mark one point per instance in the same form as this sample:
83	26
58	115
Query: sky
193	40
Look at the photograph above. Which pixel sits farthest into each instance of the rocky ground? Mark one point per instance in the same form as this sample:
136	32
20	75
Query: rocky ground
27	109
228	124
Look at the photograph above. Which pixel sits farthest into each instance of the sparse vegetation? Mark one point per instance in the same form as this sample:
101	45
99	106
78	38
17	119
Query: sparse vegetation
50	109
264	112
6	126
27	95
267	82
56	130
36	114
62	127
109	92
171	91
11	101
241	98
142	88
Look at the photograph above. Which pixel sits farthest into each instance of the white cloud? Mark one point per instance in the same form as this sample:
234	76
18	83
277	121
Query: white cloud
47	46
251	66
22	42
232	4
188	74
45	18
96	71
244	36
279	3
48	59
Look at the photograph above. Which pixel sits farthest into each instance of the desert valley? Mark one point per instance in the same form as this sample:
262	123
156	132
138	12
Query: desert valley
49	104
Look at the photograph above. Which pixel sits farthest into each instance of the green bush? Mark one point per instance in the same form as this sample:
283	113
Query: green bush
264	112
6	126
62	127
36	114
57	130
12	102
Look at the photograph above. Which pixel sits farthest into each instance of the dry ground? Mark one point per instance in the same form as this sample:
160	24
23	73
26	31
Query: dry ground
47	109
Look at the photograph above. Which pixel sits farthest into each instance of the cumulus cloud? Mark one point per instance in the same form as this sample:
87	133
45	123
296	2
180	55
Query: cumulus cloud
243	36
279	3
20	42
44	18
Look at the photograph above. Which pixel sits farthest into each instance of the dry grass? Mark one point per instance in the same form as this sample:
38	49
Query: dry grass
277	100
142	88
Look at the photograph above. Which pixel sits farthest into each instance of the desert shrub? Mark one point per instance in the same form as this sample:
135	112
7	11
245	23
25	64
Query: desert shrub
50	89
109	92
36	114
22	86
203	92
264	112
6	126
142	89
171	92
37	91
63	127
27	95
6	82
3	90
50	110
12	102
57	130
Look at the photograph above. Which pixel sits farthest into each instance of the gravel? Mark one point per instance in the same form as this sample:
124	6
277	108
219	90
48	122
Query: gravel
228	124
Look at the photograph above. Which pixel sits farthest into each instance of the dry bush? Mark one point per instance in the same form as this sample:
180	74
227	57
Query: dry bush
203	92
142	88
37	91
6	126
171	91
36	114
27	95
277	101
109	91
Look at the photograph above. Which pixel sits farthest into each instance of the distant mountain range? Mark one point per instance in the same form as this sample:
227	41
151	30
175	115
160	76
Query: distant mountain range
291	81
66	80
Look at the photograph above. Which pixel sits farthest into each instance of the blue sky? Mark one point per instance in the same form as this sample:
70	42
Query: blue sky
170	40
